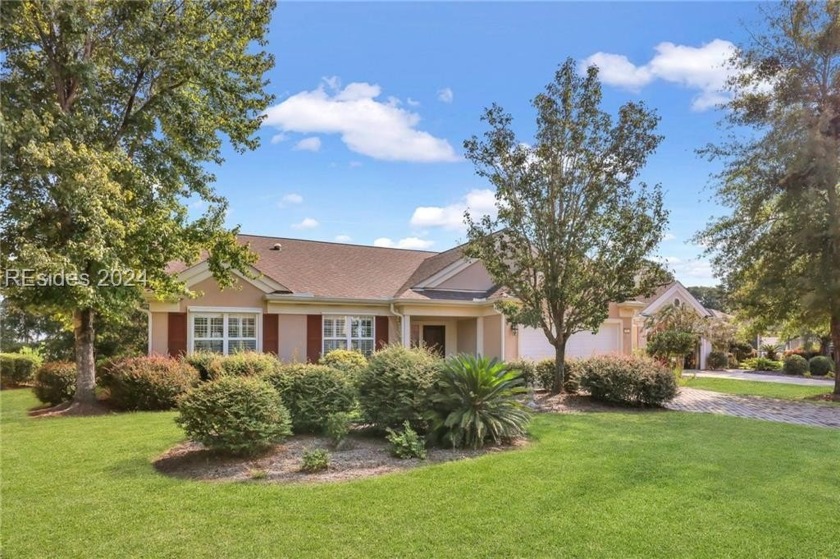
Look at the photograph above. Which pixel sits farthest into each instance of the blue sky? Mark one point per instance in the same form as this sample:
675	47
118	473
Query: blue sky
374	101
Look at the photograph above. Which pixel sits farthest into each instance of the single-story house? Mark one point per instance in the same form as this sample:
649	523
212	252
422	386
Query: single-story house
675	294
311	297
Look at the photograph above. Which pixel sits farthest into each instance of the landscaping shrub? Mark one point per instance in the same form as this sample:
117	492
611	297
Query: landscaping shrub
55	382
315	460
407	444
242	364
312	393
571	376
717	360
147	383
349	361
820	365
17	369
761	364
338	427
795	365
236	415
394	387
742	350
626	379
201	361
527	370
475	400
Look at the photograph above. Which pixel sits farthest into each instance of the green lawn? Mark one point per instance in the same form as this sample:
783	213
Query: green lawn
756	388
658	484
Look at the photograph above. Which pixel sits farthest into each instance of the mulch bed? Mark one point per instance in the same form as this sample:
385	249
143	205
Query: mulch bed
824	398
362	457
581	403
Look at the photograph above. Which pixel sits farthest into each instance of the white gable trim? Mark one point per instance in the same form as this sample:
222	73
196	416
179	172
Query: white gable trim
201	271
676	290
448	272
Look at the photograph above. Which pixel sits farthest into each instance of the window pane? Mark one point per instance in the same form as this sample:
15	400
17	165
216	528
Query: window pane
330	345
200	327
235	346
209	345
217	327
233	327
249	328
364	346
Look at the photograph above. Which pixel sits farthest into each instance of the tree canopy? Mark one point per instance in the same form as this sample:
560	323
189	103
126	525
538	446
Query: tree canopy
575	228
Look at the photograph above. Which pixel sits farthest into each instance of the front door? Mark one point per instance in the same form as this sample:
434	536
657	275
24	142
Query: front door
434	337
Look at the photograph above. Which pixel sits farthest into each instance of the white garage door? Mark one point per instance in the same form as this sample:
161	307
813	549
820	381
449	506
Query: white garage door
533	345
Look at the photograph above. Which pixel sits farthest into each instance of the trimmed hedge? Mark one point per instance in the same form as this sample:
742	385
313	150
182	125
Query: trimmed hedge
795	365
527	370
761	364
17	369
312	393
55	382
394	387
236	415
627	379
349	361
820	365
147	383
571	375
717	360
201	361
243	364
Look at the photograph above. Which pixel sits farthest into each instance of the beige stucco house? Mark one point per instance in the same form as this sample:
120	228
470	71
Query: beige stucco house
311	297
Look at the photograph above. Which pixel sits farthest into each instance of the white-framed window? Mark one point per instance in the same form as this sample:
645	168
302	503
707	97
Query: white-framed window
348	332
224	332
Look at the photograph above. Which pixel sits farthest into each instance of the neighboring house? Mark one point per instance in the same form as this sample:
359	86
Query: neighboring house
311	297
676	294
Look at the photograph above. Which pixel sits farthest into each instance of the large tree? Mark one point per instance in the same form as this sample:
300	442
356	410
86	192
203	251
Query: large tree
111	112
779	249
575	230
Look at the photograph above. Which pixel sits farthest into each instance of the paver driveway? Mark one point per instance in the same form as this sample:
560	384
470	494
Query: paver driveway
754	407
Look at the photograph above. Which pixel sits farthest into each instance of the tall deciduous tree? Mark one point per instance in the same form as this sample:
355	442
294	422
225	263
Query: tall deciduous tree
779	249
110	112
573	232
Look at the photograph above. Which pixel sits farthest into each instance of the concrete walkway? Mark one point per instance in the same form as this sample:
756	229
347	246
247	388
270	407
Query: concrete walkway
754	407
760	377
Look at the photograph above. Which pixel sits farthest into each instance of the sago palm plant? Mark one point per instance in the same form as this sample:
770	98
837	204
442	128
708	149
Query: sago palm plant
476	400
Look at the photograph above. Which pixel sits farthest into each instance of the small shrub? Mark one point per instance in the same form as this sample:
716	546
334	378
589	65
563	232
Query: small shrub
201	361
55	382
315	460
312	393
394	387
476	399
741	350
545	373
257	474
527	369
17	369
338	427
732	362
242	364
717	360
406	444
626	379
795	365
236	415
147	383
571	375
761	364
349	361
820	365
771	351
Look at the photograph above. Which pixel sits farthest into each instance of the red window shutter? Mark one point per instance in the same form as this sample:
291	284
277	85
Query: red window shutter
313	337
270	333
177	336
381	332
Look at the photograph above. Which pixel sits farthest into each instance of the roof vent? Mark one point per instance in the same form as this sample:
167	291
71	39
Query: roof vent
277	246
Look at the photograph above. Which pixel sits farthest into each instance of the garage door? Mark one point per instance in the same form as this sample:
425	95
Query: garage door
533	345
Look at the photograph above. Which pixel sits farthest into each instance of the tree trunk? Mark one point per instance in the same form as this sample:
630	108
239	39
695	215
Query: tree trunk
559	364
85	364
835	337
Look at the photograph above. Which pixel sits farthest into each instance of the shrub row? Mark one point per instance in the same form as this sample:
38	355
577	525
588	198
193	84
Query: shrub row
540	374
17	369
147	383
627	379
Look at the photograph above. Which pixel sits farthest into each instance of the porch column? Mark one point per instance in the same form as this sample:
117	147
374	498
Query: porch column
479	335
406	331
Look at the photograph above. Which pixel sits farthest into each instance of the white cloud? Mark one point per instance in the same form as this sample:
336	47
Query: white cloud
701	68
690	271
445	95
412	103
309	144
343	238
669	237
415	243
381	130
333	82
290	199
479	202
307	223
277	138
